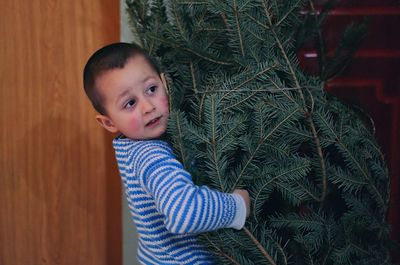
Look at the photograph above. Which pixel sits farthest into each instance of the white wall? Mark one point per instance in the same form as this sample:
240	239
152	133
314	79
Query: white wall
129	236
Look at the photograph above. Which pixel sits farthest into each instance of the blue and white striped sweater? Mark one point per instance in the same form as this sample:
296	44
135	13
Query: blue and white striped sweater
167	208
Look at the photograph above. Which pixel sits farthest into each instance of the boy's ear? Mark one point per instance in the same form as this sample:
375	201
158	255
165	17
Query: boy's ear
106	123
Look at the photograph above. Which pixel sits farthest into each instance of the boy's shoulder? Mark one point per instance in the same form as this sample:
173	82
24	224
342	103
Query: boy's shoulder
138	155
131	146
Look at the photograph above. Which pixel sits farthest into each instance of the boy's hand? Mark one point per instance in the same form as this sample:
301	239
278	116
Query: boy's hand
245	195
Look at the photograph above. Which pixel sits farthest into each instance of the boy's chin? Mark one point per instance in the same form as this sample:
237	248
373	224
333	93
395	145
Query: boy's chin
157	134
160	134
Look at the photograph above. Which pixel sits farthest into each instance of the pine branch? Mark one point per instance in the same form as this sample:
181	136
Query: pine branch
214	142
192	74
177	22
345	149
321	48
311	194
283	90
260	143
236	15
179	138
252	118
308	115
220	252
290	11
179	47
259	23
252	78
321	158
260	247
269	90
274	180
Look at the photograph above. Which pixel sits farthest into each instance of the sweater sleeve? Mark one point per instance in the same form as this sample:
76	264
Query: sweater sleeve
187	208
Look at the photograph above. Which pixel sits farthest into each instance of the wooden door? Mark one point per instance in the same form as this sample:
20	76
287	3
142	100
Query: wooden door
59	189
373	79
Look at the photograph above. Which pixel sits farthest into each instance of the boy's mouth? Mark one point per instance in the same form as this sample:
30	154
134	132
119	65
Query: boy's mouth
153	122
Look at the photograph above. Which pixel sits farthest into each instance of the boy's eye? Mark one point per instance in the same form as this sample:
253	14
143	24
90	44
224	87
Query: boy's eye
130	104
151	90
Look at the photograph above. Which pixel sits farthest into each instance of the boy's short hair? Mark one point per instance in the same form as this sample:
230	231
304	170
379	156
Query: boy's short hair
107	58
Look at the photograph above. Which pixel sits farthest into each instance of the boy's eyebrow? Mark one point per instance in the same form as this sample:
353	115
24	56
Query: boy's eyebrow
147	78
122	94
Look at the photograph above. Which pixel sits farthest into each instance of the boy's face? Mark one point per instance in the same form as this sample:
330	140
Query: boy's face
135	100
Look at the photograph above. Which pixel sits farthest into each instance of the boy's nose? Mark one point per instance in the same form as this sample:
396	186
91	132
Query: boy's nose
147	106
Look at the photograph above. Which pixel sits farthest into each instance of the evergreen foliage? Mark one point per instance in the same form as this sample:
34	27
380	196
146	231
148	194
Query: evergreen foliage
244	115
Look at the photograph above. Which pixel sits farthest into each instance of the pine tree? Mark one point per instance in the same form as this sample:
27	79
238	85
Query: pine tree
245	115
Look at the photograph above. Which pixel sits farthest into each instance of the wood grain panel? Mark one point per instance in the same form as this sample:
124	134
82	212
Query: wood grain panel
59	189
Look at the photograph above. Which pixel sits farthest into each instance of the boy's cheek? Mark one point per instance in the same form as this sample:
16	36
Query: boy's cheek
134	124
165	103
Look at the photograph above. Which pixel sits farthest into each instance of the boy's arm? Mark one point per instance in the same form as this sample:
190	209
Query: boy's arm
187	208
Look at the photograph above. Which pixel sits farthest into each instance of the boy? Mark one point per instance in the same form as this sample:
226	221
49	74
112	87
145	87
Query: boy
129	93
